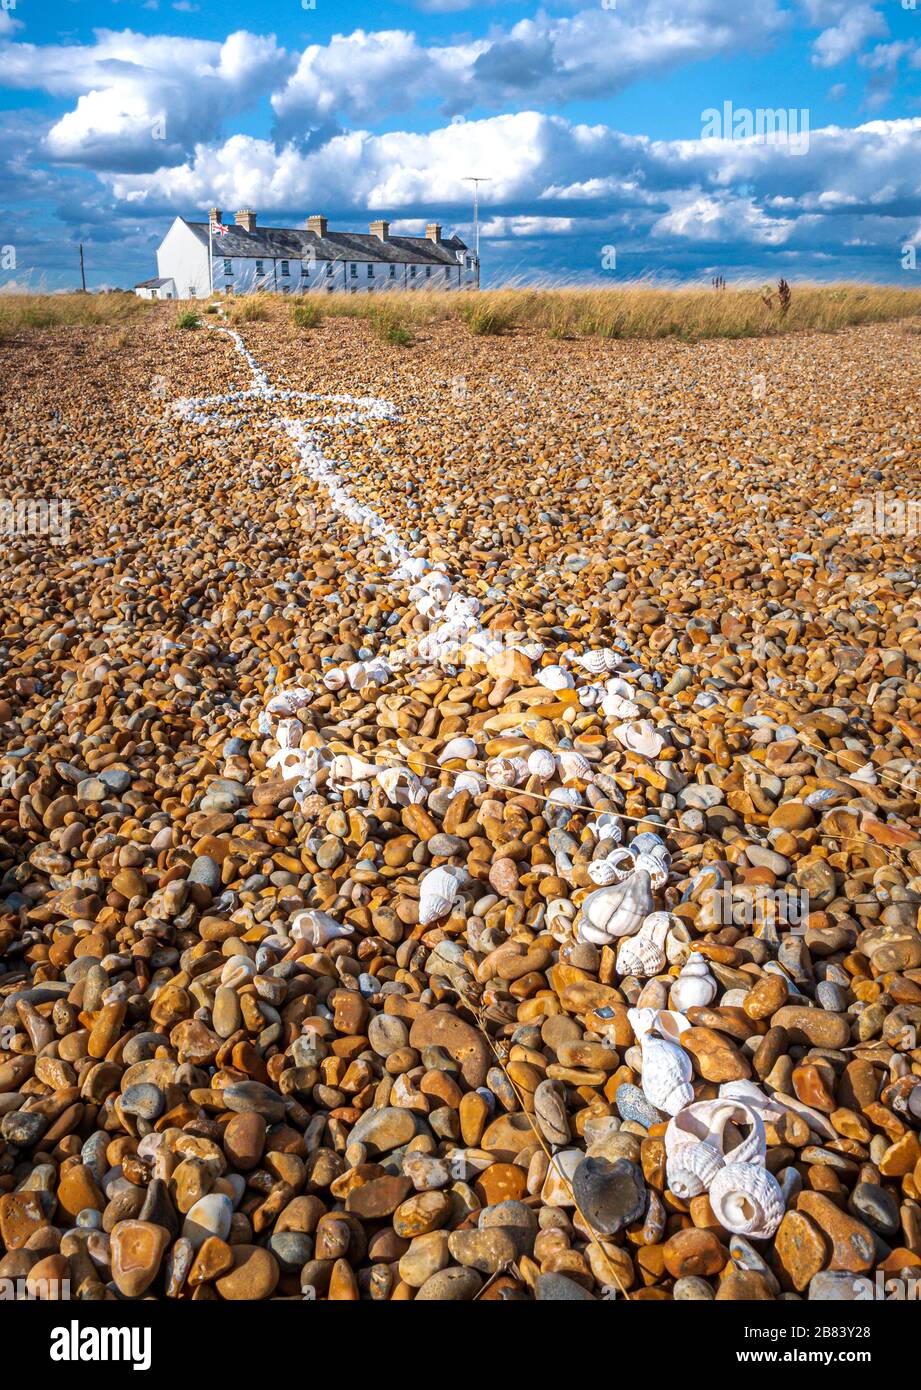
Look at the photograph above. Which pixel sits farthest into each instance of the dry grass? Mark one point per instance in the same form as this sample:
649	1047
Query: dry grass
633	311
19	311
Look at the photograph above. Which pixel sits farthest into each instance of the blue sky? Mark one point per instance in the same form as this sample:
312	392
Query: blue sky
590	120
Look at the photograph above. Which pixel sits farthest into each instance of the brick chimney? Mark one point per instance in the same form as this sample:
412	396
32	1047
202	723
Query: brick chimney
380	229
246	219
214	214
317	224
433	232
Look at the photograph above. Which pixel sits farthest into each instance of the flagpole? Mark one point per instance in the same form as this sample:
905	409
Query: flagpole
210	258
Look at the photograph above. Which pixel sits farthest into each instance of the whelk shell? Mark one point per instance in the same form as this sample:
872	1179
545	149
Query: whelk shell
747	1200
695	987
437	892
318	928
616	911
701	1138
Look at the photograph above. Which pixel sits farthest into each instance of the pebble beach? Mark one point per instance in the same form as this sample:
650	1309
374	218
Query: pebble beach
460	816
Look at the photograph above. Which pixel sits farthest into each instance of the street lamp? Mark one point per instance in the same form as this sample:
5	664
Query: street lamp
476	180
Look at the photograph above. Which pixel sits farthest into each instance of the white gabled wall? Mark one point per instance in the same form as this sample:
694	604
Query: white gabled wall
184	260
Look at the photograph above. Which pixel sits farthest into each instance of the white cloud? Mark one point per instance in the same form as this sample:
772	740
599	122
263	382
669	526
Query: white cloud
856	24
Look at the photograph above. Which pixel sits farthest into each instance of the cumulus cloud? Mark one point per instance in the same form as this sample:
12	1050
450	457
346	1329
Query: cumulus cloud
548	60
143	100
853	26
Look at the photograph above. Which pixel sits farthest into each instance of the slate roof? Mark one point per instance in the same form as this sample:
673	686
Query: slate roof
294	243
155	283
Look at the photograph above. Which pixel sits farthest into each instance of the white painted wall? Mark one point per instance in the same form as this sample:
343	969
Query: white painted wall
182	258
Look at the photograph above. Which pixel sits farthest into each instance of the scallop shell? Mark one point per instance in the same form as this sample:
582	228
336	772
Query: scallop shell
555	678
574	766
462	748
437	892
616	911
747	1200
695	987
318	928
542	764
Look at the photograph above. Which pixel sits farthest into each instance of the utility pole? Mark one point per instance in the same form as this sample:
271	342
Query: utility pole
82	272
476	181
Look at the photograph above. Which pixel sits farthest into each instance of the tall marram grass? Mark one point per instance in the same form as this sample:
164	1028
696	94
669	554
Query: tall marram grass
633	311
19	311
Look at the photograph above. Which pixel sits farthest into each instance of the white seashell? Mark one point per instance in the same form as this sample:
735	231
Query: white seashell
555	678
701	1138
294	762
470	782
334	679
598	661
574	766
560	912
666	1074
747	1200
618	686
462	748
656	865
389	780
590	696
616	868
695	987
678	943
616	911
356	675
318	928
503	772
437	892
616	707
606	827
639	736
564	796
289	733
346	769
289	701
542	764
644	954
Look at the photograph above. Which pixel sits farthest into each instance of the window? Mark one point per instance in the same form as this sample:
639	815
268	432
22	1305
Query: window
370	271
428	272
354	268
393	272
329	268
467	261
228	266
259	269
329	289
284	268
447	272
412	272
191	291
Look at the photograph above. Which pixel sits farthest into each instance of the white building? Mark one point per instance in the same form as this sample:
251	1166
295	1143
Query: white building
296	260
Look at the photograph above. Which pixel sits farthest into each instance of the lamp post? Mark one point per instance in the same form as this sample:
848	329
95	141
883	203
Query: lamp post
476	180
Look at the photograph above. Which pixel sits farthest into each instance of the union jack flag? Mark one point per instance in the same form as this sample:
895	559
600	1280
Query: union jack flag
218	229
